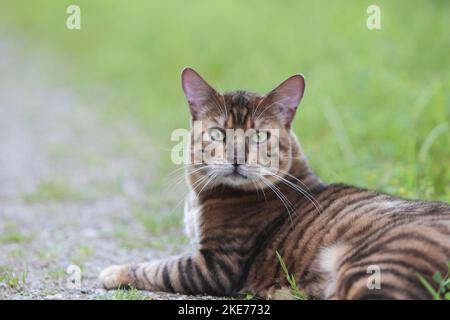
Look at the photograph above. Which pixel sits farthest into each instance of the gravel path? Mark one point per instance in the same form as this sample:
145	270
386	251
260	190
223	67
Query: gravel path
70	183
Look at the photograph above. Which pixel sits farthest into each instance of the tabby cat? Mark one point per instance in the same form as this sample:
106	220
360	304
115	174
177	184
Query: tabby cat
330	236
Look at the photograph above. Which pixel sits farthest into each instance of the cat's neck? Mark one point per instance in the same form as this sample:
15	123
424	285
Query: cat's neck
300	168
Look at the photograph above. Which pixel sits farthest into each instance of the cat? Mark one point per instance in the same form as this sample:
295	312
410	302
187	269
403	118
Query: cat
242	220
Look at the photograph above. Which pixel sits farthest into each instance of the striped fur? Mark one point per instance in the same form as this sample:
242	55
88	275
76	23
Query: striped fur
328	235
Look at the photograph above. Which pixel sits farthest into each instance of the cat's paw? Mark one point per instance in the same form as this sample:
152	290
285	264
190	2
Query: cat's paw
116	276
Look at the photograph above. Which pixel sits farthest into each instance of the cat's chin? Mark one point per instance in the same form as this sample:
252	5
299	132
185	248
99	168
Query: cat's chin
236	180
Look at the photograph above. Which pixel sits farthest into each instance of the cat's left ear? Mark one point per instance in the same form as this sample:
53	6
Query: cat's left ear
286	98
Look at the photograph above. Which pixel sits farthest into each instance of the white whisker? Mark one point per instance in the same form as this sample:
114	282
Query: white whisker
286	203
295	187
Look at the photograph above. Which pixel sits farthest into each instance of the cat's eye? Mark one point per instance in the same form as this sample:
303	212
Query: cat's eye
260	136
216	134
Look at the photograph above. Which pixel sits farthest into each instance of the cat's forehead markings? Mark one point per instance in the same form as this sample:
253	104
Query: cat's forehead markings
239	117
249	121
229	121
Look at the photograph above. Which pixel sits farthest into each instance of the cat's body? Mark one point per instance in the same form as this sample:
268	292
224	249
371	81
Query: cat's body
334	239
330	248
399	236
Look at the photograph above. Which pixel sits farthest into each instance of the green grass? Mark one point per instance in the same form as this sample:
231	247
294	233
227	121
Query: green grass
126	294
163	227
13	237
169	242
49	253
12	279
81	255
294	291
49	191
10	233
377	105
57	274
16	253
125	238
249	296
157	222
442	292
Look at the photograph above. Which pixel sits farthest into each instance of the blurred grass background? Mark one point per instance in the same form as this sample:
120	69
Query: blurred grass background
377	105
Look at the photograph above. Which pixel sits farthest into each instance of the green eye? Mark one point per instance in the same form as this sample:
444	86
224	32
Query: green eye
216	134
260	136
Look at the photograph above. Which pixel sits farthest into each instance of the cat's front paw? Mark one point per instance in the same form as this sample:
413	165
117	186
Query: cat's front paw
116	276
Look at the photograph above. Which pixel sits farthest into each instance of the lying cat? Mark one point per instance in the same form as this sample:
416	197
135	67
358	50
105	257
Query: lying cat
240	216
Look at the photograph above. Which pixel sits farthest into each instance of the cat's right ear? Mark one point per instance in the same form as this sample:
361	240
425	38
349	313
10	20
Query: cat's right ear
197	91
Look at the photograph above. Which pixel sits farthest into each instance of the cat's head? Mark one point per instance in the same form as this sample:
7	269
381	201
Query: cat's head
239	138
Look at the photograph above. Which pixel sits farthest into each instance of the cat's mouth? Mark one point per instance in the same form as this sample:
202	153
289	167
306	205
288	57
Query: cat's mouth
235	174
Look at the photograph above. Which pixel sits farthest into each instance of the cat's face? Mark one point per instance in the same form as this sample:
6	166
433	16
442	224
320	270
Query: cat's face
240	139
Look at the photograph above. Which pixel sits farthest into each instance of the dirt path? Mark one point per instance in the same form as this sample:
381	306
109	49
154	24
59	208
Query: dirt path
70	184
